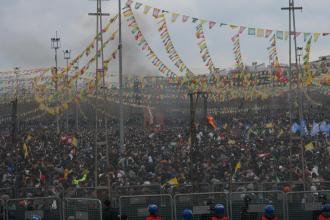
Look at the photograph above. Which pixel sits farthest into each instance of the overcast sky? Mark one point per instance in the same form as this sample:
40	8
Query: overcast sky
28	25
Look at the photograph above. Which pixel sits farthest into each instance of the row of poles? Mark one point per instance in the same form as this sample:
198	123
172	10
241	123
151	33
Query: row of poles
99	69
194	97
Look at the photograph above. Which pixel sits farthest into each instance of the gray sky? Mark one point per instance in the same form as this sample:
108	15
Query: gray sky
28	25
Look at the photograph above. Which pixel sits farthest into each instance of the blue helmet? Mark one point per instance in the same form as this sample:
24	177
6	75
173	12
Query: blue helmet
36	217
187	214
153	208
326	207
269	210
219	209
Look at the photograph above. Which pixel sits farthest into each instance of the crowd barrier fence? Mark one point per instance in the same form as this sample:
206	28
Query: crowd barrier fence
305	205
200	203
136	207
25	208
2	208
299	205
82	208
251	204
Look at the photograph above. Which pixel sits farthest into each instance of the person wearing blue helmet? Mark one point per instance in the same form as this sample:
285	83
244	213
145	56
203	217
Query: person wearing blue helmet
187	214
219	213
153	212
36	217
269	213
325	214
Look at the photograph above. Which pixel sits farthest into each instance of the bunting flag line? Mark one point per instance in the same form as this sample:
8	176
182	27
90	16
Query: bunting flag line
252	31
307	69
204	51
274	60
169	46
142	42
237	52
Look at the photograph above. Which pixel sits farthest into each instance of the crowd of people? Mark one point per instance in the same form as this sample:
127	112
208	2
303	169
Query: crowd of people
239	149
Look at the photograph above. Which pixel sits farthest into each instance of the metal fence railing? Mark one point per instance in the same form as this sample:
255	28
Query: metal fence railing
82	208
136	207
250	205
305	205
25	208
2	209
137	190
6	193
281	186
201	204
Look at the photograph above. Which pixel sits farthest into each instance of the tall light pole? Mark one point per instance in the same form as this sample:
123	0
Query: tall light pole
67	57
99	69
55	45
121	112
292	23
76	67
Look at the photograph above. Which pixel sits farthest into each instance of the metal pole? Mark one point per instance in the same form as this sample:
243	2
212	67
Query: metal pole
121	112
67	57
96	94
55	45
290	89
77	122
301	113
99	39
16	95
56	88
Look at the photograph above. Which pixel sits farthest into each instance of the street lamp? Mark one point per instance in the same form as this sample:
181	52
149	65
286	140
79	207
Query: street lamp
55	45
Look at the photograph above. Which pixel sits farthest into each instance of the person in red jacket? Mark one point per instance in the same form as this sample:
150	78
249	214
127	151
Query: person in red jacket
219	213
269	213
325	215
153	210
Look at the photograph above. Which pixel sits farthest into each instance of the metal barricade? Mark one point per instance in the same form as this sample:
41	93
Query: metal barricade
292	186
305	205
250	205
200	203
2	209
199	188
6	193
245	186
82	208
137	190
25	208
136	207
220	187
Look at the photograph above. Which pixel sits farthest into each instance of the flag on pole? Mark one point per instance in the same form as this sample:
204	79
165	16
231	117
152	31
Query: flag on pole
315	129
74	141
309	147
172	182
25	150
211	121
238	166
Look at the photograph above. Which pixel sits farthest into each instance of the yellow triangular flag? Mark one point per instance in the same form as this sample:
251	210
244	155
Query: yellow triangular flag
173	181
309	147
238	166
26	150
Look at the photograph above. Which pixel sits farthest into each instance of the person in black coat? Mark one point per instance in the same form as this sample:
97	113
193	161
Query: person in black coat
109	213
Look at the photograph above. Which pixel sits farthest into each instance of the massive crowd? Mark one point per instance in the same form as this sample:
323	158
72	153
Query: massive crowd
240	149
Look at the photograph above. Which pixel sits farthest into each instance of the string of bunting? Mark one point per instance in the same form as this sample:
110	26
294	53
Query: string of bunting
307	70
274	60
138	36
251	31
64	104
169	46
